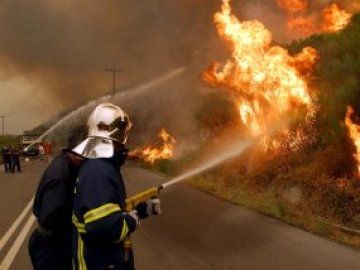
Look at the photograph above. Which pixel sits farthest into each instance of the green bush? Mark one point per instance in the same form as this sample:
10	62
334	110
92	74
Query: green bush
216	114
336	77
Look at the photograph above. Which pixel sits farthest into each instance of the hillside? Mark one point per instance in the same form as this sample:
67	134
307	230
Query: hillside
316	187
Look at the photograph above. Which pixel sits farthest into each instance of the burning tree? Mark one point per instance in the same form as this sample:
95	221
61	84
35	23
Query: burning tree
267	82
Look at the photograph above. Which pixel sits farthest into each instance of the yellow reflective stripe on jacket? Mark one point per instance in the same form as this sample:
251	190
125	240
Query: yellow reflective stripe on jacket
101	212
79	226
80	254
124	233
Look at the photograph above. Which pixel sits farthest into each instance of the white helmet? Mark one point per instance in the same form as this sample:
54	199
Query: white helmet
107	123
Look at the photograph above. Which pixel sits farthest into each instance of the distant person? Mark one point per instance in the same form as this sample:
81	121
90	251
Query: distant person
15	159
41	152
5	152
50	244
48	150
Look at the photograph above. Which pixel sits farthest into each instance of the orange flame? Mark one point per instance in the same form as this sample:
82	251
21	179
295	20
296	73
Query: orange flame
335	18
354	132
293	6
297	20
267	80
301	21
302	24
165	151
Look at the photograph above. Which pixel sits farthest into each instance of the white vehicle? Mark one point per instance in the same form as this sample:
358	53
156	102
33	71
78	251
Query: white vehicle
31	144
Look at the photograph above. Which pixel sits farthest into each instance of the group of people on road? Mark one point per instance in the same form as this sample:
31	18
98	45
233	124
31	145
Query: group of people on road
80	200
11	159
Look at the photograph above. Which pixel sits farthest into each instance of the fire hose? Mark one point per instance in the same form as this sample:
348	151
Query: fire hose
230	152
130	205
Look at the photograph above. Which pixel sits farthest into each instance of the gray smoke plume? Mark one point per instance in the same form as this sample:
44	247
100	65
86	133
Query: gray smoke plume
61	48
53	52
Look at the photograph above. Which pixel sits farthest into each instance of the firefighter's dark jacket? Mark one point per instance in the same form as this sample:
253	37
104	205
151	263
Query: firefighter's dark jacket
101	225
53	199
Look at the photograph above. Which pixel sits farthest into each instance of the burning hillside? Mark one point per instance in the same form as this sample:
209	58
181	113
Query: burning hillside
310	82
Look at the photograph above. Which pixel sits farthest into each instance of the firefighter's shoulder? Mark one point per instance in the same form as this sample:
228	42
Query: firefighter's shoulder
95	169
56	168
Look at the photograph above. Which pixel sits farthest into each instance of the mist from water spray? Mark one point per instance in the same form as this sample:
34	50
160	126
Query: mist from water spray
130	92
227	154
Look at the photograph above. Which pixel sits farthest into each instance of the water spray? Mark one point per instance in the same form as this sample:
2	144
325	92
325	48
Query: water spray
130	92
230	152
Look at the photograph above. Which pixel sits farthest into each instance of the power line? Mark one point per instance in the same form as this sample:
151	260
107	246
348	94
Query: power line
3	124
114	70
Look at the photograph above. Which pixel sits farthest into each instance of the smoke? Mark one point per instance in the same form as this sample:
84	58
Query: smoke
53	52
67	46
61	48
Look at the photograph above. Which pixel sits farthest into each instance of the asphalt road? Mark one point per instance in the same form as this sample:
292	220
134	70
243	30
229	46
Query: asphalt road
195	231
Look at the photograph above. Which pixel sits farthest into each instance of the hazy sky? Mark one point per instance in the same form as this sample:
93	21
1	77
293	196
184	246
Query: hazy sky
53	52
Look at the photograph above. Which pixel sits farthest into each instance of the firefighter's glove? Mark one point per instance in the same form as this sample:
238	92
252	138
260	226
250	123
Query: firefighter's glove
154	207
135	216
149	208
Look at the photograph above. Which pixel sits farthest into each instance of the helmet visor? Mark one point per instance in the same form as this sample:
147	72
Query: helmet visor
120	129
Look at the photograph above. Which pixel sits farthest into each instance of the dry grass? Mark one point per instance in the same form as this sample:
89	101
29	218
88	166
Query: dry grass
304	214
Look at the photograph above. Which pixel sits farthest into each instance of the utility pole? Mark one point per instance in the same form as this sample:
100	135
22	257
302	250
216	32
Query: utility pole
3	124
114	70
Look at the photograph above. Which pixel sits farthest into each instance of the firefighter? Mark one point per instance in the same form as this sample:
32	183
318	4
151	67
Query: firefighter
15	159
100	222
50	244
48	150
6	159
41	152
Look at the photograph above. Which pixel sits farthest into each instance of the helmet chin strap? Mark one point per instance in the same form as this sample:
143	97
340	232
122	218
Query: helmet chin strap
120	155
116	140
108	138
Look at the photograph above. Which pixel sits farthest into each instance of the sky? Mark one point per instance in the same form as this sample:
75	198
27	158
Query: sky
53	53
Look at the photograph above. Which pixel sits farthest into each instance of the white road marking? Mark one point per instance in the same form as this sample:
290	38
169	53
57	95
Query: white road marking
15	225
10	256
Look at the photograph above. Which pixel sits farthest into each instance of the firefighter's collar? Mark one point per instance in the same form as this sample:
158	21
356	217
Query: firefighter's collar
95	147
